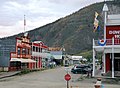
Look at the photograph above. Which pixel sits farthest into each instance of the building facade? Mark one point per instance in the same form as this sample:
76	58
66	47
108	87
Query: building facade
39	54
6	46
21	57
57	53
109	46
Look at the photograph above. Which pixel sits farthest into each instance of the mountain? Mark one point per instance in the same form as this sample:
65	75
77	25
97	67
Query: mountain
75	31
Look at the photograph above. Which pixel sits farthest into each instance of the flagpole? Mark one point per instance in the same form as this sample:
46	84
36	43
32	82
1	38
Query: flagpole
24	23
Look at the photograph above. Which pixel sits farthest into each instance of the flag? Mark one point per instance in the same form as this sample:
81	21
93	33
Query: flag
96	22
96	14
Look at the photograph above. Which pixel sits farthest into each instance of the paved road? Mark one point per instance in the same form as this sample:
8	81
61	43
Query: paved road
52	78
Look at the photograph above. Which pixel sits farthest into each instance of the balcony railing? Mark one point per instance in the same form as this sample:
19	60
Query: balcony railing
43	55
108	42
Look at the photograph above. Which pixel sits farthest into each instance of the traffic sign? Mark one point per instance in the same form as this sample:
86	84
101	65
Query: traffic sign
67	77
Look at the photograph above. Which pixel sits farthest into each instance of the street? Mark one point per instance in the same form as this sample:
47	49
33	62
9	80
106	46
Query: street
51	78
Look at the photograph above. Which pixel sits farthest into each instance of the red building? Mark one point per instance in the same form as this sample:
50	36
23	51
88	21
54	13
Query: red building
21	58
39	54
109	46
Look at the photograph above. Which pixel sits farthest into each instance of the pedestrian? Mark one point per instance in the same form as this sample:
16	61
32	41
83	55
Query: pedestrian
101	65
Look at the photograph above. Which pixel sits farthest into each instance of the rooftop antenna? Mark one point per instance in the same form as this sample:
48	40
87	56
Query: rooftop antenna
24	23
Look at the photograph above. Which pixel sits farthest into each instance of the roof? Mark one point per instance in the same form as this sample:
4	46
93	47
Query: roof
76	57
113	19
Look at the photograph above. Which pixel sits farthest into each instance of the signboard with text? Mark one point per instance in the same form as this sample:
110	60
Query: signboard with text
113	31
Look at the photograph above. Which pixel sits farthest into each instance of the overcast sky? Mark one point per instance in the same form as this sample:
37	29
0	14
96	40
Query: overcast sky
38	13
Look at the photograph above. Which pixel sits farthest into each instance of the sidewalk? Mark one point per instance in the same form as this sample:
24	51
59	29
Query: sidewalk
8	74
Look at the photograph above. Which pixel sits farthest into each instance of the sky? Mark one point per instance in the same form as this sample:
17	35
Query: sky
37	13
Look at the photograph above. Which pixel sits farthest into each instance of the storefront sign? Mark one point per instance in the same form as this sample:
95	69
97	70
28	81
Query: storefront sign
112	31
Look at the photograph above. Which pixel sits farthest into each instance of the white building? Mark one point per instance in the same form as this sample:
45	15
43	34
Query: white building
110	45
76	59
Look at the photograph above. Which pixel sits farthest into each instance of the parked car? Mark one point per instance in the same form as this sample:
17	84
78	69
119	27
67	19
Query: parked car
52	64
81	69
66	65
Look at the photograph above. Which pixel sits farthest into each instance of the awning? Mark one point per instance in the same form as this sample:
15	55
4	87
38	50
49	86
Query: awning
23	60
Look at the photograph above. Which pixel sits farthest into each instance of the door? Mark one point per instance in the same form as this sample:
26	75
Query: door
117	64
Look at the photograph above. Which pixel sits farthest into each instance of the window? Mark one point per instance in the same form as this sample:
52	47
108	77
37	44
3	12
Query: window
36	49
33	48
39	49
18	52
23	51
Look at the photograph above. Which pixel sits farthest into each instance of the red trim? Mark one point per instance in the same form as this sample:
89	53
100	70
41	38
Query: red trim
18	38
107	62
38	44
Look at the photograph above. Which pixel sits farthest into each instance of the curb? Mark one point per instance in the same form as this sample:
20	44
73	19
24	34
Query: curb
8	75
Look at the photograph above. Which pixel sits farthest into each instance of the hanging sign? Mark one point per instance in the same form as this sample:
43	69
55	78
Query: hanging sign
102	42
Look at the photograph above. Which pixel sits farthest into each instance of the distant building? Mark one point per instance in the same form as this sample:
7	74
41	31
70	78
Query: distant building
56	52
6	46
76	59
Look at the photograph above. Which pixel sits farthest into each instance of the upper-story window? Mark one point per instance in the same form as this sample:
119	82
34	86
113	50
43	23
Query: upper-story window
28	51
39	49
23	51
36	49
33	48
18	51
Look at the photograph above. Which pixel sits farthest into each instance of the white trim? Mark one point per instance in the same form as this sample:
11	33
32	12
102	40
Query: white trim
93	73
23	60
113	58
104	62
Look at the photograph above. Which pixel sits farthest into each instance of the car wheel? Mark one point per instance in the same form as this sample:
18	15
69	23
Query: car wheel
76	72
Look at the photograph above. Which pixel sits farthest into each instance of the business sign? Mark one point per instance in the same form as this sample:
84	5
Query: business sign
54	48
113	31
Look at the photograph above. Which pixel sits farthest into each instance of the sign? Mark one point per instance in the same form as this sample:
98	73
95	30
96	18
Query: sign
67	77
102	42
54	49
117	36
112	31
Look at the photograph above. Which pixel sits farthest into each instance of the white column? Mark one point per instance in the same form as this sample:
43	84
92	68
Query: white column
104	63
113	58
105	10
93	73
105	25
